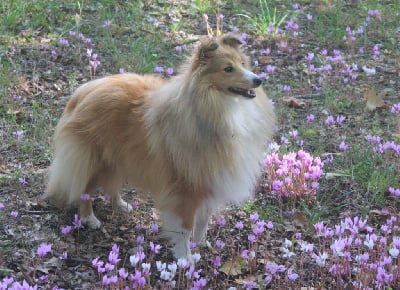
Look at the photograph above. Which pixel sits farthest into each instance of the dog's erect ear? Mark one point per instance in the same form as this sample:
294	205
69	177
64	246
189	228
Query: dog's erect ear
207	49
231	40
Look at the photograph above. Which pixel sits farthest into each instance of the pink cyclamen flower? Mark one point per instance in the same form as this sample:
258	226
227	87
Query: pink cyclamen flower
18	134
155	248
239	225
286	88
43	249
395	109
158	69
252	238
140	240
94	63
310	118
178	49
245	254
65	230
2	205
271	28
220	221
77	222
271	68
107	24
340	119
22	180
122	273
394	191
219	244
113	258
329	121
154	227
292	275
309	57
14	214
254	217
263	76
170	71
217	261
293	134
64	42
343	146
376	51
85	197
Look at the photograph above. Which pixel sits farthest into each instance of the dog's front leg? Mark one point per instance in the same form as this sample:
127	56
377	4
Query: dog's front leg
178	232
200	229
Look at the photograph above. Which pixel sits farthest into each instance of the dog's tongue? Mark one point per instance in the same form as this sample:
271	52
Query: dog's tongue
243	92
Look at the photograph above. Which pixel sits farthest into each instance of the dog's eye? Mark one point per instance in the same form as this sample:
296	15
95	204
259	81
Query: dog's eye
228	69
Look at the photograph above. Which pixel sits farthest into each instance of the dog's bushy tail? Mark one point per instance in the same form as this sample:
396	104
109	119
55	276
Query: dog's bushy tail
70	171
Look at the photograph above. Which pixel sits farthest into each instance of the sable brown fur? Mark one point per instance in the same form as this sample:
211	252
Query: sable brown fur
194	142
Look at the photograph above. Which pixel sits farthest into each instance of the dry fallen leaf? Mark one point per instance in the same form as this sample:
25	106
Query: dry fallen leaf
300	220
293	102
374	100
242	281
265	59
233	267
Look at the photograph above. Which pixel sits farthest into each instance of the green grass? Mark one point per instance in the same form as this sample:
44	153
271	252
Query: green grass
267	14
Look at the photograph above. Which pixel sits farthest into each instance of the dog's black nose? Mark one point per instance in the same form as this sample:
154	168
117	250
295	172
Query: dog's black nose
257	82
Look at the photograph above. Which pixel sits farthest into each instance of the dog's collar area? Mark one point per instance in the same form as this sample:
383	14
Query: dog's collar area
243	92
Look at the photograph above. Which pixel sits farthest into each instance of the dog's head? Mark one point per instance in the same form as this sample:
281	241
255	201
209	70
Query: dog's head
223	66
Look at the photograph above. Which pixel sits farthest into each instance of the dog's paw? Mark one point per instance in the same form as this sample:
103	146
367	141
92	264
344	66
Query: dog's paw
91	221
182	250
124	206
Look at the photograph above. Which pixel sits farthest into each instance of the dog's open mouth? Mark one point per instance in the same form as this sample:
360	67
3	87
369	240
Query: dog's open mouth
243	92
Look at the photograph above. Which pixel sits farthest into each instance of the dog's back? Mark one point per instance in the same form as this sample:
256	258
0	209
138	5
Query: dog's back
101	125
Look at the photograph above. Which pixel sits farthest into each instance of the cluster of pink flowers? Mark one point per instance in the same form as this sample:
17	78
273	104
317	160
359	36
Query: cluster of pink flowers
294	175
367	254
379	147
160	69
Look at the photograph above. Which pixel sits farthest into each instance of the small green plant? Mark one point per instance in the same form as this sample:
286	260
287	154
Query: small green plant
268	21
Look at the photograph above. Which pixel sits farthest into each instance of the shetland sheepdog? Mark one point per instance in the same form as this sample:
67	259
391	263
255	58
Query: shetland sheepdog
195	142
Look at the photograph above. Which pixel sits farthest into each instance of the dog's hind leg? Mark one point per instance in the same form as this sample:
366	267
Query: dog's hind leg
87	215
120	204
112	185
86	207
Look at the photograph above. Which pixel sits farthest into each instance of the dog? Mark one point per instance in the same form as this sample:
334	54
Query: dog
194	142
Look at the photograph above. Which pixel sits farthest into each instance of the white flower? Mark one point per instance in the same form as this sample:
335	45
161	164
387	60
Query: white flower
321	259
394	252
134	259
288	243
172	267
196	257
160	266
146	267
165	275
369	71
369	243
183	263
287	253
